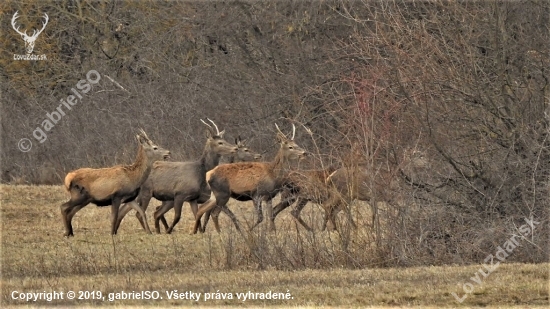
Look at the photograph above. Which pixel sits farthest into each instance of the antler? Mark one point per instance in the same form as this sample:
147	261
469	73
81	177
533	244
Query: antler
293	131
280	130
43	27
217	131
13	24
34	32
209	126
144	135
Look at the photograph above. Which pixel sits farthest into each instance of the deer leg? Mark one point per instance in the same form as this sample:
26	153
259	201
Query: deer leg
66	210
206	219
140	211
122	211
231	215
222	197
74	210
258	207
194	208
329	206
270	216
159	212
114	214
215	213
286	201
125	209
206	207
178	204
326	208
333	211
347	209
302	202
143	203
70	208
162	218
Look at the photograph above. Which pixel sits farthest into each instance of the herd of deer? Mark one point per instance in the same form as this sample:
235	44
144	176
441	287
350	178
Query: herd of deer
127	187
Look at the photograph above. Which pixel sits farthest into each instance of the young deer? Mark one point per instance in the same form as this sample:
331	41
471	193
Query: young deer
303	187
174	183
110	186
244	154
256	181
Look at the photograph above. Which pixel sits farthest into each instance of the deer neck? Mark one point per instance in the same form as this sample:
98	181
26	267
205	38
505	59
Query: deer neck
280	166
209	159
140	169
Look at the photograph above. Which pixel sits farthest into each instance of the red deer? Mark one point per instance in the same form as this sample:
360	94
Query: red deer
343	186
243	154
110	186
174	183
256	181
303	187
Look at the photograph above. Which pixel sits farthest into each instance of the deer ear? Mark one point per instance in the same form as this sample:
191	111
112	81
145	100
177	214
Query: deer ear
209	133
281	138
141	139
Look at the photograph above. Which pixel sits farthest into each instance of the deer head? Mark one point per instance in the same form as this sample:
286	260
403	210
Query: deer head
29	40
244	154
290	149
152	151
216	142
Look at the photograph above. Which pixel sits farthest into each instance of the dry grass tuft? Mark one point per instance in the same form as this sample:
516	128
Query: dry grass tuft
318	269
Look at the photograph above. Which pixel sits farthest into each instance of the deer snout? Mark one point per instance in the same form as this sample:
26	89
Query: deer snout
257	157
166	155
234	150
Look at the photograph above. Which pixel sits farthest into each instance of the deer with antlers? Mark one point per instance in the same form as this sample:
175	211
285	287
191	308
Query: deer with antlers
175	183
335	190
256	181
303	187
110	186
244	154
29	40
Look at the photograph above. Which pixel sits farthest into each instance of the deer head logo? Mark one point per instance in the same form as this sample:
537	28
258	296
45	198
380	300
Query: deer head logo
29	40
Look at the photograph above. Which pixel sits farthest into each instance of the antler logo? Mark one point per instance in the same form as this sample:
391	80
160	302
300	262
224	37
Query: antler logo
29	40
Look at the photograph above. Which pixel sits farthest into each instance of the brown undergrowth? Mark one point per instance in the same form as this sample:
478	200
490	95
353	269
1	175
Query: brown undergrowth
317	269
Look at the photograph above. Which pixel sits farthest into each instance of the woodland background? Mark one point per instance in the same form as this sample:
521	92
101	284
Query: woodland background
462	86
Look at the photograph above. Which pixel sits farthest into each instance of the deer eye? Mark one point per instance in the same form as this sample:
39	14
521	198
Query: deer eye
155	148
246	150
220	143
290	147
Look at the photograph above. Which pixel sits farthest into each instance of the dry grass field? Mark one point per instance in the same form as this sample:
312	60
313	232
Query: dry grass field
37	258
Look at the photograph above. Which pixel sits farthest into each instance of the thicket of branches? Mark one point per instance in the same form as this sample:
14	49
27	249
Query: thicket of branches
462	85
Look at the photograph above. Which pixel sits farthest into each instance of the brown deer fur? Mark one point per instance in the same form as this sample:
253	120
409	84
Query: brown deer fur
303	187
109	186
356	181
175	183
244	154
256	181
